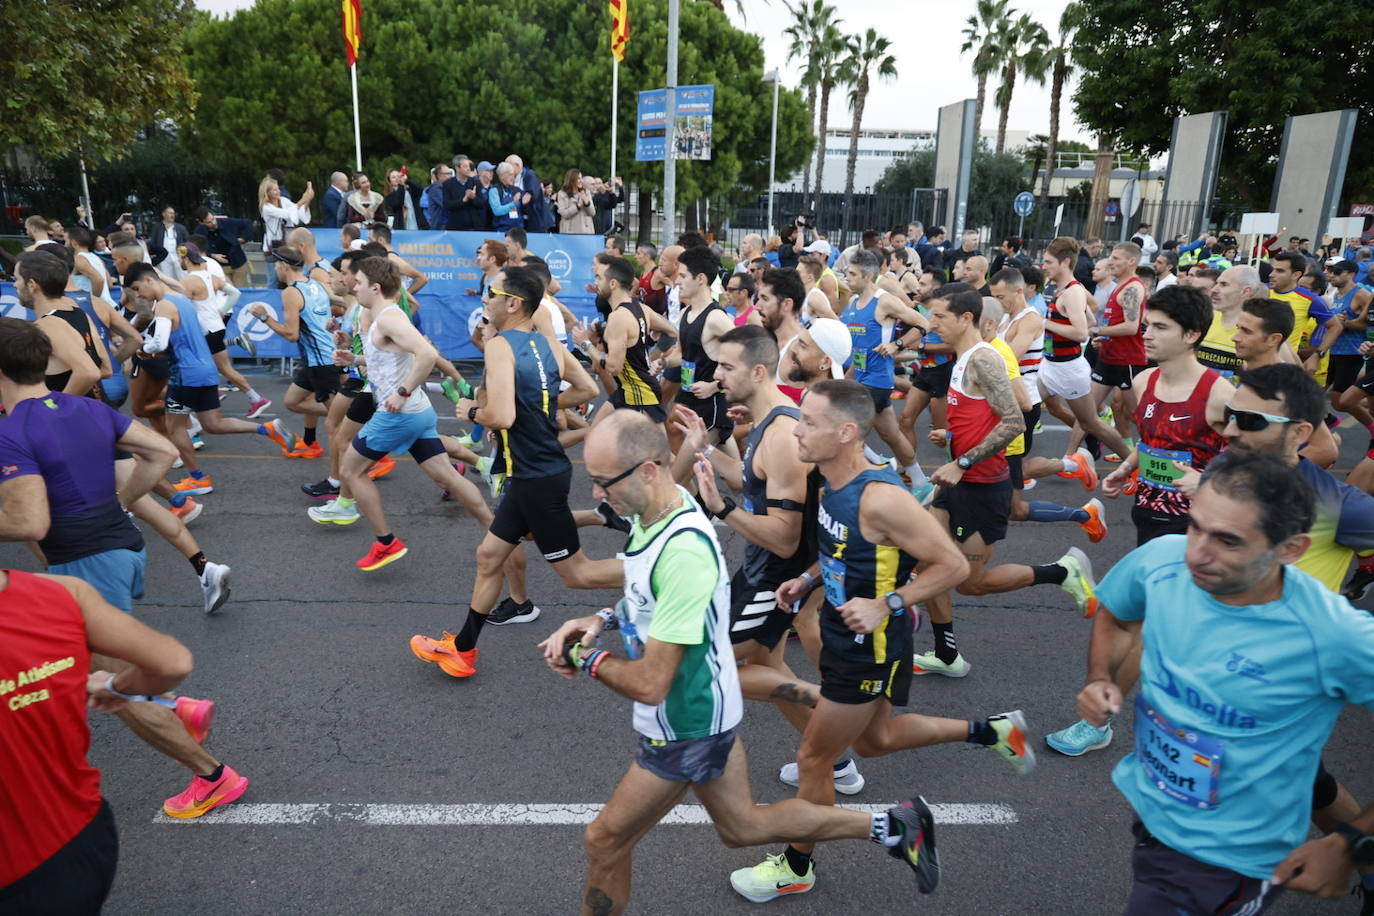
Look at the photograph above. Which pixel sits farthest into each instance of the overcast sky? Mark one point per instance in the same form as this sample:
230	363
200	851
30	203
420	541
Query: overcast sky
925	40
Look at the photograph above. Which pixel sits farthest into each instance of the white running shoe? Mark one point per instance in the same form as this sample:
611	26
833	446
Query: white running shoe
214	582
848	779
331	513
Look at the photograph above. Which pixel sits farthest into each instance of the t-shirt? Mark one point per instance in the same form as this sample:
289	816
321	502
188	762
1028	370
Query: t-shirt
1344	525
1305	304
1235	705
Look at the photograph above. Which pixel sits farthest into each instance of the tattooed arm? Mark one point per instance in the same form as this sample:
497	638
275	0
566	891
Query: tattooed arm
1131	298
986	374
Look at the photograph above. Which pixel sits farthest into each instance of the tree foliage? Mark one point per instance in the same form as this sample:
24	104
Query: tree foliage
994	175
1143	62
86	75
437	77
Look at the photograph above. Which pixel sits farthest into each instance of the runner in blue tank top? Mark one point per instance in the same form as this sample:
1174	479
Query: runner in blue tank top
193	385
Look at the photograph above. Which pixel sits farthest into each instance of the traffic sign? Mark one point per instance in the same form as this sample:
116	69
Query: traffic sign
1112	208
1023	204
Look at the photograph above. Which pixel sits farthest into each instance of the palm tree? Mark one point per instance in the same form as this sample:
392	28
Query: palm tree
832	46
809	23
1060	62
1024	50
867	54
983	36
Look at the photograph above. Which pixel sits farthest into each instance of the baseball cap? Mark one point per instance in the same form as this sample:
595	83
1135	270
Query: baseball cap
819	246
835	342
1343	265
485	166
287	255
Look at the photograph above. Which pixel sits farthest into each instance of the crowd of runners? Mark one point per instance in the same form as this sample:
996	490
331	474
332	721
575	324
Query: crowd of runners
780	404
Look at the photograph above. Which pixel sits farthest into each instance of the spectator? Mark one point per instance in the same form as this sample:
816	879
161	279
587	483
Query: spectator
930	250
402	200
334	200
1148	246
225	236
1087	260
505	199
82	219
465	200
164	242
968	247
535	211
750	247
790	249
433	199
363	205
606	198
486	180
278	215
871	238
279	177
576	212
1010	255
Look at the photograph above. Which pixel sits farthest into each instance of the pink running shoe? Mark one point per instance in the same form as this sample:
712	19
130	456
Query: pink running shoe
202	795
197	715
257	407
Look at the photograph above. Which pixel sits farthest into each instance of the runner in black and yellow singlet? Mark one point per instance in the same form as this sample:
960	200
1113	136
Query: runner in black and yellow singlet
638	387
529	448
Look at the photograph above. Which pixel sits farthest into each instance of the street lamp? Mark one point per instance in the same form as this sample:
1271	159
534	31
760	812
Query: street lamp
773	77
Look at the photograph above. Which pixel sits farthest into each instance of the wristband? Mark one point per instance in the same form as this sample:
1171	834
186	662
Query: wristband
608	620
472	414
591	662
712	448
810	579
572	655
132	697
730	506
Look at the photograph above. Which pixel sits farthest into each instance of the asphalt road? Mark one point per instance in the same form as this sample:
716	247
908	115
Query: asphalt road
321	703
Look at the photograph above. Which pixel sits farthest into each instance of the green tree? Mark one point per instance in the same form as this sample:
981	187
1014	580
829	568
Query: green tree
1259	62
868	54
832	45
809	24
1024	47
983	34
84	78
994	180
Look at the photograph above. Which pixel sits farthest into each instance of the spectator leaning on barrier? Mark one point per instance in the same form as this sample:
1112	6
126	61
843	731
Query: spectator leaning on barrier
576	212
334	200
225	235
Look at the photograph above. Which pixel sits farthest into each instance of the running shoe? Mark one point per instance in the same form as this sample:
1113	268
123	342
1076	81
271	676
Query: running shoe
194	486
1359	584
929	663
202	795
188	511
510	612
443	652
197	715
1107	415
214	582
917	847
1079	738
178	464
197	443
494	482
244	343
610	519
381	467
257	407
924	493
469	443
848	779
1029	484
1132	483
1096	525
1012	744
772	878
382	555
331	513
1083	470
278	433
322	490
1080	582
302	450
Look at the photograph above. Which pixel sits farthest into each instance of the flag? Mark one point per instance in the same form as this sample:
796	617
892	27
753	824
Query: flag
352	30
620	28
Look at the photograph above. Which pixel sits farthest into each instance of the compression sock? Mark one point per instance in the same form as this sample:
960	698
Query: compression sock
918	476
981	733
177	499
799	862
309	435
385	539
215	776
1041	511
472	628
945	648
883	832
199	562
1049	574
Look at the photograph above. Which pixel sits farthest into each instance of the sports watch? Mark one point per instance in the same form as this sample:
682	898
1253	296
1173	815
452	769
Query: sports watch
401	390
894	602
964	462
1361	844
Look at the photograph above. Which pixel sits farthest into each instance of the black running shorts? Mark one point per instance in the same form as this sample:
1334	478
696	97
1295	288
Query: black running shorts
934	380
1165	880
323	381
192	399
76	878
754	612
976	508
215	341
852	682
538	506
1114	376
361	407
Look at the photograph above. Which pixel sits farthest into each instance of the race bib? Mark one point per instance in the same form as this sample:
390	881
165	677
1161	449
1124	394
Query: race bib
1157	466
832	578
1183	764
860	360
629	630
688	373
1049	345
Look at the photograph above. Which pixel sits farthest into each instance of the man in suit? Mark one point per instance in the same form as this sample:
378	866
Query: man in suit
334	200
464	202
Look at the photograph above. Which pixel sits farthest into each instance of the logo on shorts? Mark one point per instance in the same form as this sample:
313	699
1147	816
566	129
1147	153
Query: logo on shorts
557	555
9	469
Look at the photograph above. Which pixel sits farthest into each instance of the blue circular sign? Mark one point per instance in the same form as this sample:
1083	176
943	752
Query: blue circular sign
1023	204
1112	208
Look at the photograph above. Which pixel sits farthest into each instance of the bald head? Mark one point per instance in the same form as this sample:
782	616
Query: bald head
301	239
631	437
671	254
976	270
339	180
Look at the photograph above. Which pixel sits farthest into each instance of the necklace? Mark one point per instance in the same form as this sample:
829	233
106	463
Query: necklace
662	512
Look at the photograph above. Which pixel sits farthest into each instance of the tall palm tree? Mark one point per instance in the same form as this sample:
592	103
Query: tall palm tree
983	33
1025	48
867	55
1061	65
832	47
809	23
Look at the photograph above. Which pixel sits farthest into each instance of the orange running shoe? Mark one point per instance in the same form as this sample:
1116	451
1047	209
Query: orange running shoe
301	450
278	433
187	511
202	795
1132	483
195	486
446	654
197	715
382	467
382	555
1083	471
1096	525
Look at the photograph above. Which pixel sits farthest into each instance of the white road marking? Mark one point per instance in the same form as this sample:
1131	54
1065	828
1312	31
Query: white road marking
511	815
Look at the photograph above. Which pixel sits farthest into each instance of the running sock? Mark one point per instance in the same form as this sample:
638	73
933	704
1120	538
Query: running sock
216	776
946	650
346	502
883	832
177	499
873	456
799	862
309	435
918	476
1049	574
199	562
1041	511
332	482
981	733
1070	464
253	395
841	764
198	475
466	639
385	539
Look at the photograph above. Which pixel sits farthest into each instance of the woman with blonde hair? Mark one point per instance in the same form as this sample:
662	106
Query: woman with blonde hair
279	216
576	212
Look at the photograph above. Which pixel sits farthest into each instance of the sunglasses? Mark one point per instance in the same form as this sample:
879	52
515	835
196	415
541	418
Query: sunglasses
612	481
1253	421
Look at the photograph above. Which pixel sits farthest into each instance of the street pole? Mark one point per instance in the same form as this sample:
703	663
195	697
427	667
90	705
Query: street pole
670	133
773	148
86	194
615	100
357	130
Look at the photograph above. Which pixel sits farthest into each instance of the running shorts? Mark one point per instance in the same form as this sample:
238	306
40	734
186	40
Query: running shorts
695	760
1069	380
184	399
976	508
538	506
754	612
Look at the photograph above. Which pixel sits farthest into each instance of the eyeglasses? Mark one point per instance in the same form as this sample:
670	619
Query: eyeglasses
1253	421
733	289
501	292
612	481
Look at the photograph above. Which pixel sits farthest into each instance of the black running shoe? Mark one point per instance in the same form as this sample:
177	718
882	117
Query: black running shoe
917	847
322	490
1359	585
510	612
610	519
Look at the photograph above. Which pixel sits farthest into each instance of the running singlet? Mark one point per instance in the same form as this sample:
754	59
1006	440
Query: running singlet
760	566
530	447
1348	343
677	591
315	340
83	301
188	355
1343	526
1128	350
1060	349
1235	705
387	369
1172	431
208	309
51	792
870	368
1016	446
84	325
853	567
1217	349
638	387
1305	304
1028	365
556	320
970	421
84	282
696	365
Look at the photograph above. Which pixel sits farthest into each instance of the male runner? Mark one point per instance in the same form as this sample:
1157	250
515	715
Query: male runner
521	395
381	234
1227	740
1233	287
202	289
78	361
674	621
781	294
1261	331
1351	303
702	323
1285	277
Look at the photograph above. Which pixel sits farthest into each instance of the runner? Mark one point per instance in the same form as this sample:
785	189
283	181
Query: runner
1233	287
204	292
781	294
78	361
1285	276
1351	304
702	323
1264	326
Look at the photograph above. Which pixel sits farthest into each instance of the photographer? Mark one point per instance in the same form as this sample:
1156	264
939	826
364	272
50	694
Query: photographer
795	238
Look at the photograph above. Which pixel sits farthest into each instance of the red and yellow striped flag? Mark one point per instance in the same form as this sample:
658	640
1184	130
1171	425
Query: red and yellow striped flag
620	28
352	29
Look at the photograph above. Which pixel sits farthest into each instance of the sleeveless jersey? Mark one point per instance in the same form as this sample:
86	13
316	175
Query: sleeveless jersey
760	566
1059	349
970	421
1348	343
530	447
387	369
638	387
210	309
1172	431
704	698
870	368
83	301
315	340
84	325
188	355
93	259
51	792
854	567
560	326
1217	349
1031	361
696	365
1128	350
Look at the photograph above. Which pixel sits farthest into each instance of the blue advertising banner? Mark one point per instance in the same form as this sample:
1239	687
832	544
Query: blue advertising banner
692	133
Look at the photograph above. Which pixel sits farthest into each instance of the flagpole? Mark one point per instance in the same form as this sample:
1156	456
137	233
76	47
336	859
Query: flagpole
357	131
615	98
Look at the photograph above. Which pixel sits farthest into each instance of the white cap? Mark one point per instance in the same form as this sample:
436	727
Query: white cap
819	246
356	244
834	341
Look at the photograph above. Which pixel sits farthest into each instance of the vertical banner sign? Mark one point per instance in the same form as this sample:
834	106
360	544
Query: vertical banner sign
692	133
